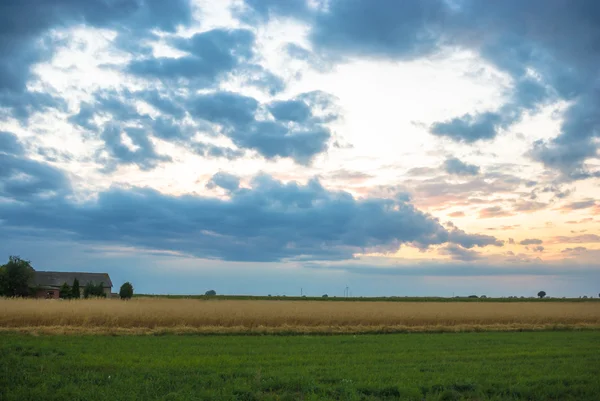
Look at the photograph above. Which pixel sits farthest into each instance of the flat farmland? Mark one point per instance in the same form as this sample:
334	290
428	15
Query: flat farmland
418	366
162	315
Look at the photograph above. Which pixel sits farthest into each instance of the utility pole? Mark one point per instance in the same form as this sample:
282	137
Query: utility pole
300	291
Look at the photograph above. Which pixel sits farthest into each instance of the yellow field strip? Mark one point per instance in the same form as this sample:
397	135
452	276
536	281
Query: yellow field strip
161	315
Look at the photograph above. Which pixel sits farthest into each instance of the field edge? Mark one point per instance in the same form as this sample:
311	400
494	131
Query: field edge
290	330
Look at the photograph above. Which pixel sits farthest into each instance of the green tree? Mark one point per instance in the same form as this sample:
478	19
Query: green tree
210	293
75	291
15	277
65	291
126	291
542	294
93	290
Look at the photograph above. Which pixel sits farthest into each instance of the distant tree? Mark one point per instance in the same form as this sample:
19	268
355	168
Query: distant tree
325	296
15	277
483	296
585	297
93	290
65	291
210	293
75	291
473	296
542	294
126	291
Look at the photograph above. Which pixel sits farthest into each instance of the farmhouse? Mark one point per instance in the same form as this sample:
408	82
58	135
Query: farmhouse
48	283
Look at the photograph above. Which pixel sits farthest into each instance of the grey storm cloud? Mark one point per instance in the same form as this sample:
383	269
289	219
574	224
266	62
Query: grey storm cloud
23	40
23	179
559	45
459	253
578	239
228	182
210	56
578	205
299	135
531	241
294	128
145	155
269	221
9	144
456	166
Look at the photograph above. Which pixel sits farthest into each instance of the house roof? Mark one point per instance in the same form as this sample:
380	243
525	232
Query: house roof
56	279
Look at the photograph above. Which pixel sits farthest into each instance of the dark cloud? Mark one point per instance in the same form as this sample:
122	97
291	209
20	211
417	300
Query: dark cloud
575	251
300	136
403	30
228	182
9	144
531	241
23	179
459	253
470	128
538	248
578	239
586	204
23	24
261	10
210	54
143	154
556	46
314	60
290	110
270	221
555	58
209	150
21	105
455	166
469	241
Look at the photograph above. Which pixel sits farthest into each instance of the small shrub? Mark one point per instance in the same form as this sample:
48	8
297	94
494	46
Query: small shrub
126	291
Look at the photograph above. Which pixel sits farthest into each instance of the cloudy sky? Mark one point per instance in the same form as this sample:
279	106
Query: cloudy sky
430	147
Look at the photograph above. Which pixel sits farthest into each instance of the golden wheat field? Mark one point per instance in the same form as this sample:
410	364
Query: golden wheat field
161	315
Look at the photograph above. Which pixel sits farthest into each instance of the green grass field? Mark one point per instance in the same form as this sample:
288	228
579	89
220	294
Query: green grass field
465	366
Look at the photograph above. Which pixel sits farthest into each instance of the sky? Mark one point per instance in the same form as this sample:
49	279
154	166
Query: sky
398	148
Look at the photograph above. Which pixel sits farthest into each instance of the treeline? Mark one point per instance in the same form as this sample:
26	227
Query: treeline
331	298
74	292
